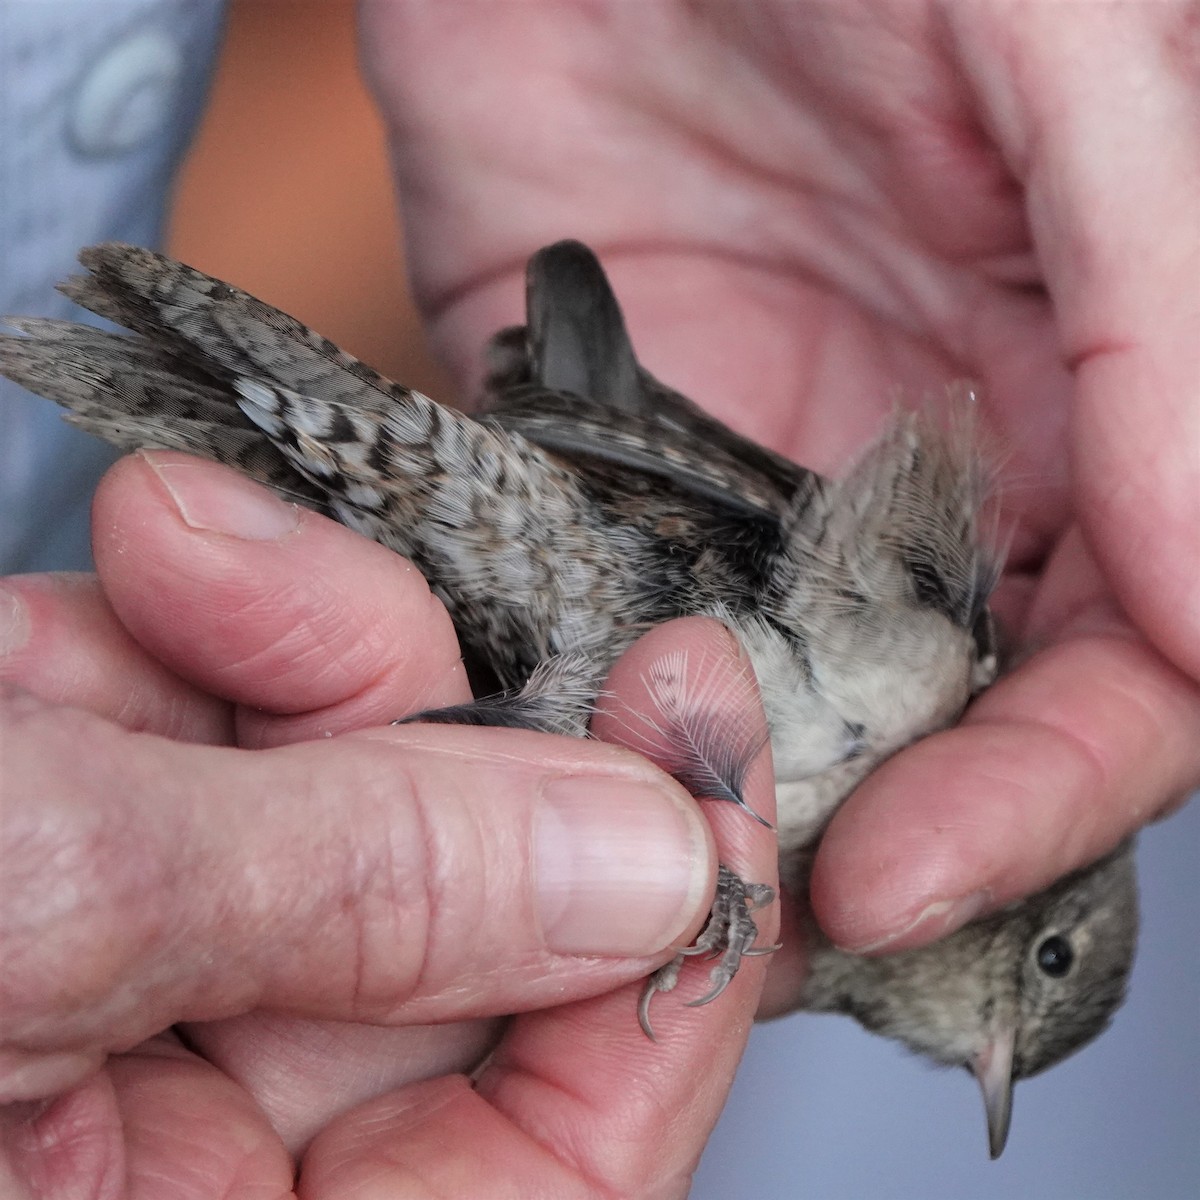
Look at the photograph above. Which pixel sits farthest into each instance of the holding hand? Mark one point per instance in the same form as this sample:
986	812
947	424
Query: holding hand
818	235
395	877
811	209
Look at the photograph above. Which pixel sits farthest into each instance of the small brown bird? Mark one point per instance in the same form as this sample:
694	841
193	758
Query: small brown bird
589	501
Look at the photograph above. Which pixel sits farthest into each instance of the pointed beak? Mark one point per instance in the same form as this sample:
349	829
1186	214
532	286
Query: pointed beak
993	1068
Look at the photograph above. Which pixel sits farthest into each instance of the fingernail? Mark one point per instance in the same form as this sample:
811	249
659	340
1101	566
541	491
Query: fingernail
621	867
932	922
14	623
218	502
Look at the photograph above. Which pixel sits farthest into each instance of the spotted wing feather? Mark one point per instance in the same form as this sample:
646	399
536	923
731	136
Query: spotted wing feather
507	536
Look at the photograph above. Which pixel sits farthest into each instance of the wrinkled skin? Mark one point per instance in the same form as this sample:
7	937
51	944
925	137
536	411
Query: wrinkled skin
806	210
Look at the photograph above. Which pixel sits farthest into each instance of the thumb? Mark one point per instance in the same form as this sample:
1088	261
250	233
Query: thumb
402	875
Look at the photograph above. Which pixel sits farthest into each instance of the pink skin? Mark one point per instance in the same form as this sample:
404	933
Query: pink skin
804	215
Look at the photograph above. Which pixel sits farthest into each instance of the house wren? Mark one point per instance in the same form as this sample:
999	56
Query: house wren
588	501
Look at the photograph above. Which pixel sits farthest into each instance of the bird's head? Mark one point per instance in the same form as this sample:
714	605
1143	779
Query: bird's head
1006	996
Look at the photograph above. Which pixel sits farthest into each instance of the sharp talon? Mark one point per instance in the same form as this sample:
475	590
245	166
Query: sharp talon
759	951
648	993
663	980
721	984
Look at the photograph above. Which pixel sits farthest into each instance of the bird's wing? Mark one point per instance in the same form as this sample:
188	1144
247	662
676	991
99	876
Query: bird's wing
569	381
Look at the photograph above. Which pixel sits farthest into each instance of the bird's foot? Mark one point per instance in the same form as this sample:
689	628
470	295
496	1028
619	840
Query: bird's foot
729	937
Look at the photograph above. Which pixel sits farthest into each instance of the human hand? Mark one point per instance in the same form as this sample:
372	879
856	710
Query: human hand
156	873
808	210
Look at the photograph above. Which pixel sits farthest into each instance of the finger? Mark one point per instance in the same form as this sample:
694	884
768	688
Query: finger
698	665
71	1145
789	967
267	604
61	640
405	875
1050	769
322	619
304	1073
156	1122
436	1138
1098	108
576	1101
189	1132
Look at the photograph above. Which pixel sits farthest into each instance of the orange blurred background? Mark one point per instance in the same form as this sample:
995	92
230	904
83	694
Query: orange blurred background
287	191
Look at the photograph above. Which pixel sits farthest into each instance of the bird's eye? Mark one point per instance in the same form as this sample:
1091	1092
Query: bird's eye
1055	956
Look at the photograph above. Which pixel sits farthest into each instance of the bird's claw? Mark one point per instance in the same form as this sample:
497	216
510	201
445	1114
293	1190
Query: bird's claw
728	936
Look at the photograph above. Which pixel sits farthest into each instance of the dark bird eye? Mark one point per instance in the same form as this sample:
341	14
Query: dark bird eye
1055	956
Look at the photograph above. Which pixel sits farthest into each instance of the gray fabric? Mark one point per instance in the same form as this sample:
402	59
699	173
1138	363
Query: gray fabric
98	102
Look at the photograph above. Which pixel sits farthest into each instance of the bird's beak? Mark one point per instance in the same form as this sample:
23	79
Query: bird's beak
993	1068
